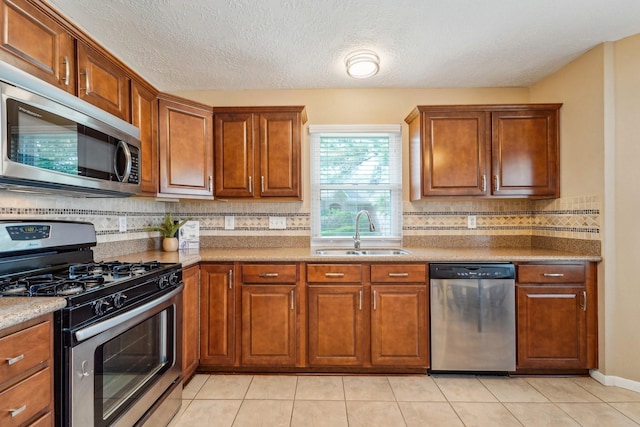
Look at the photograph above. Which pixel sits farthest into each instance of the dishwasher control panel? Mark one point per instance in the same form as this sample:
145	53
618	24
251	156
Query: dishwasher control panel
471	271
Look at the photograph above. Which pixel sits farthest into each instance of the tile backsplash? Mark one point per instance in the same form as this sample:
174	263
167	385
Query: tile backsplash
572	218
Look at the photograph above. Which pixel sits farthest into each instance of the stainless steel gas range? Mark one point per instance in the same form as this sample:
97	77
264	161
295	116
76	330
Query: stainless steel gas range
117	345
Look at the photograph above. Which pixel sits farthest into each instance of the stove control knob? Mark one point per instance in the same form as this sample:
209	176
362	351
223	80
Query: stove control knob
163	282
174	279
100	306
118	300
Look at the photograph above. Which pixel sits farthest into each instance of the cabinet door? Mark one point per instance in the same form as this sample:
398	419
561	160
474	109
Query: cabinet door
399	334
279	154
101	82
234	155
190	320
37	44
268	325
525	153
456	147
552	327
144	115
217	315
336	325
185	144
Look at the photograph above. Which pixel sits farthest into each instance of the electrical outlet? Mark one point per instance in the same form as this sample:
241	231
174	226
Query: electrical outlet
229	222
277	223
471	221
122	223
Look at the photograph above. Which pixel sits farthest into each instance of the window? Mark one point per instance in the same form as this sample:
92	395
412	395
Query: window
356	168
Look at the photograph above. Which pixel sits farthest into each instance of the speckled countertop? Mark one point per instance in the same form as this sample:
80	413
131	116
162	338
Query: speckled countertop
15	310
189	257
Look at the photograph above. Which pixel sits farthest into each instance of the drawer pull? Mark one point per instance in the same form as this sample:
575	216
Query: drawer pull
16	412
268	274
14	360
334	274
398	274
553	274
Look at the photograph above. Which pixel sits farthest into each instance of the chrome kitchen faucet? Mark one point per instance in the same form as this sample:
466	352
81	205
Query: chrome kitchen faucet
372	227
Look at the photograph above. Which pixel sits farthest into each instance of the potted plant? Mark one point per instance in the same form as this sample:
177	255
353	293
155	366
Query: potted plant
168	230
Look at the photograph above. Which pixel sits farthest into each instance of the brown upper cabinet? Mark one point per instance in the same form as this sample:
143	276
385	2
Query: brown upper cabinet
185	143
485	150
102	82
37	44
257	151
144	115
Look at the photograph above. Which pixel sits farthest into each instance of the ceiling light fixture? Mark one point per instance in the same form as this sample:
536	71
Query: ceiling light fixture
362	64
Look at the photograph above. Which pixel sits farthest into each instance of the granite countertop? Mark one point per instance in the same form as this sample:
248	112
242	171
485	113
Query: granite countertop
15	310
193	256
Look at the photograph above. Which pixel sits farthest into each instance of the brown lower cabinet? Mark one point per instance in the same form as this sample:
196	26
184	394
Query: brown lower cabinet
26	376
557	317
190	320
336	321
217	315
367	316
269	306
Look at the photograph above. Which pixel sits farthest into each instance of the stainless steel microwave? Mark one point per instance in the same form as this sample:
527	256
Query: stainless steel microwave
54	142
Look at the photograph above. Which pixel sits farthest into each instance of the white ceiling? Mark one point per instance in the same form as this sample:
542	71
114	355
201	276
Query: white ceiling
291	44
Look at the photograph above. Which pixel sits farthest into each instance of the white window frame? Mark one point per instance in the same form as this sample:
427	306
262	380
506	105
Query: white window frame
394	132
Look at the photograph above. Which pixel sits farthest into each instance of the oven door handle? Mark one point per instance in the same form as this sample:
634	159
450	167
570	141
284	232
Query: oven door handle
93	330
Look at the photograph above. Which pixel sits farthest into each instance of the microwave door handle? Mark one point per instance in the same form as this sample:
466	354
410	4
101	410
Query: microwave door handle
127	154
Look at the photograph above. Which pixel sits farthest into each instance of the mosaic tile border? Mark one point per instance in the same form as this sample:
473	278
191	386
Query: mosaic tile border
575	217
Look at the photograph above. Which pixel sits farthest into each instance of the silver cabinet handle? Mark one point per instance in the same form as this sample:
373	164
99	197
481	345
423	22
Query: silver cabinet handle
292	299
375	295
360	300
496	183
334	274
15	412
398	274
87	89
484	183
66	71
14	360
262	184
268	275
251	185
230	279
553	274
584	300
210	183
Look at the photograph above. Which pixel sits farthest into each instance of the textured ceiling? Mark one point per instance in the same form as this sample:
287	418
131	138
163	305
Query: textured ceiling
291	44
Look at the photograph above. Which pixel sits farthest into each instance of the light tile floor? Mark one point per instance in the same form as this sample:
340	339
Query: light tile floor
412	400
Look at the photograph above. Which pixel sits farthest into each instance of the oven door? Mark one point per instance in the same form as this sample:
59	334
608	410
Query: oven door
123	365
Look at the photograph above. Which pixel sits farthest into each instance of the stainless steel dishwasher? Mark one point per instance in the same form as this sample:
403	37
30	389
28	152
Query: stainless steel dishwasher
472	313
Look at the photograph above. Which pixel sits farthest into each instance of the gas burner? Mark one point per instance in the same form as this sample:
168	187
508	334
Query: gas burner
61	288
13	289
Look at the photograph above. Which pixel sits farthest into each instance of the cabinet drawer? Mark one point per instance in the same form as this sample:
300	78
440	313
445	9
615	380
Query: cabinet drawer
269	273
24	350
398	273
551	273
26	399
334	273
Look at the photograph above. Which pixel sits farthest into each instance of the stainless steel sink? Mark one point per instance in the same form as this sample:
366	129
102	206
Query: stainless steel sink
361	252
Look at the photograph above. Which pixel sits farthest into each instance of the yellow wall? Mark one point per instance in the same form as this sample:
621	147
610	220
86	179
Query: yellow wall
625	174
579	86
